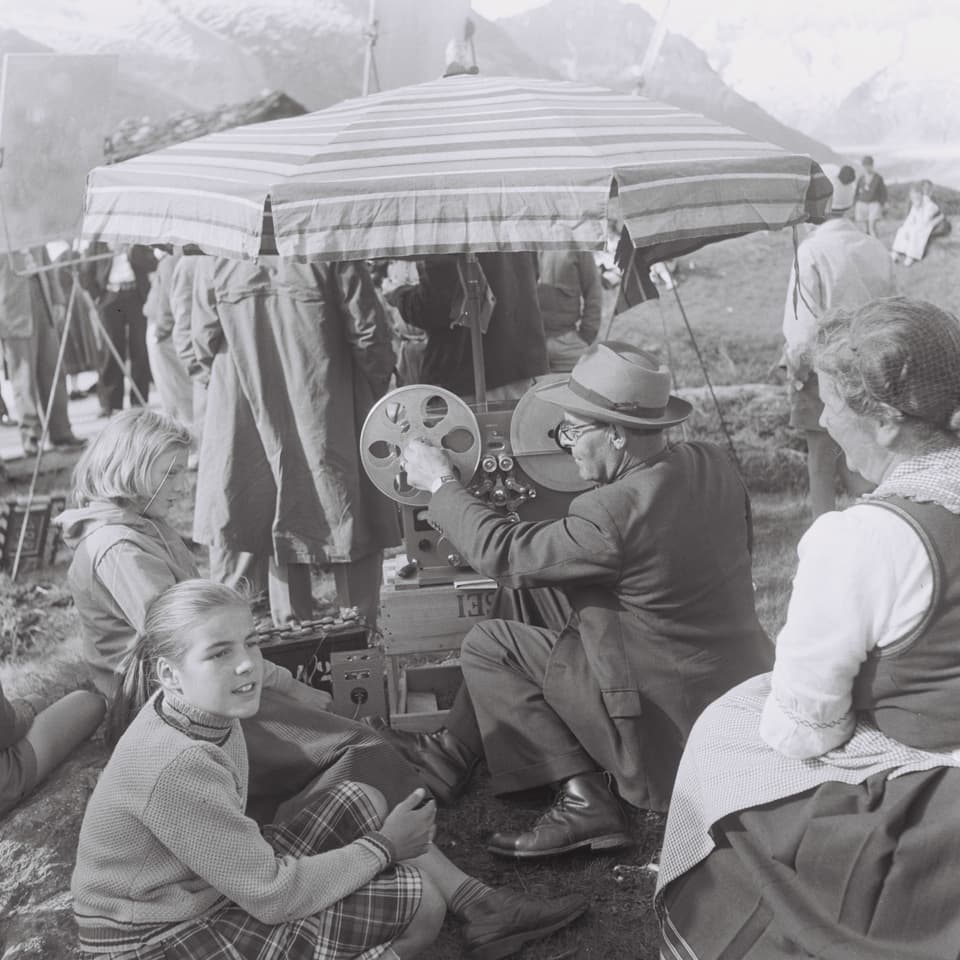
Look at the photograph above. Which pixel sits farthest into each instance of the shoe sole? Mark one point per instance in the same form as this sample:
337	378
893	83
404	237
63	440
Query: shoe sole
612	841
497	949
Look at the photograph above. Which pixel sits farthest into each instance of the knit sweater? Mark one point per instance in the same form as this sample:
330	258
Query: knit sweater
164	838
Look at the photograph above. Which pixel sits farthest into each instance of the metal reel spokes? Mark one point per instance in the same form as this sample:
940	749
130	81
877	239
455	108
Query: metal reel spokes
417	411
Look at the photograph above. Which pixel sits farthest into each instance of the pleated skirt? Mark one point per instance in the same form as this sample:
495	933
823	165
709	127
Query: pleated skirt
867	871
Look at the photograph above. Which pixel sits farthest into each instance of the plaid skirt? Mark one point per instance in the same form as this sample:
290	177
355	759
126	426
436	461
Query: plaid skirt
361	926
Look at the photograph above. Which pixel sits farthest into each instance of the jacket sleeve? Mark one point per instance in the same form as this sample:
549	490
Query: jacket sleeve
206	333
584	545
195	811
367	326
160	311
591	290
181	306
800	322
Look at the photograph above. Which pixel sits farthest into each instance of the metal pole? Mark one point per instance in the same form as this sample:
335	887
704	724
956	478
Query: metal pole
371	42
46	428
470	278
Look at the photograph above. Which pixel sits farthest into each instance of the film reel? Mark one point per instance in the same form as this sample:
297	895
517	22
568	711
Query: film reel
417	410
533	443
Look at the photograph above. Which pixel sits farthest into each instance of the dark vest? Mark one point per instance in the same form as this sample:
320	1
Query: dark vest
911	687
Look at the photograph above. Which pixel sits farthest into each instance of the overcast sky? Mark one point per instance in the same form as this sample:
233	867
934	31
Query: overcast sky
685	15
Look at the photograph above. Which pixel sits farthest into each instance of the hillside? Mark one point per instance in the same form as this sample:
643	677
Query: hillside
604	41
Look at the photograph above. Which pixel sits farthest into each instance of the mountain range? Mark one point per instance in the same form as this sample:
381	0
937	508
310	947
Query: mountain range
177	56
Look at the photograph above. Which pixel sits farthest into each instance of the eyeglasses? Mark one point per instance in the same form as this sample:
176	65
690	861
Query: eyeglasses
567	434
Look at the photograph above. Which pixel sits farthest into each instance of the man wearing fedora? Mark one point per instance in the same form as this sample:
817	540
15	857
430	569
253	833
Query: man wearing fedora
655	564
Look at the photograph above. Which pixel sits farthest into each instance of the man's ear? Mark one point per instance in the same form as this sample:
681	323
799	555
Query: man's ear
168	675
618	438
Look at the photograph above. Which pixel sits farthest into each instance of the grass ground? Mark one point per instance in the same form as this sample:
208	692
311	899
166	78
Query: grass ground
733	293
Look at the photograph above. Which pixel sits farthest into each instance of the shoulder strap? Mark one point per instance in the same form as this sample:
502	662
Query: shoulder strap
936	564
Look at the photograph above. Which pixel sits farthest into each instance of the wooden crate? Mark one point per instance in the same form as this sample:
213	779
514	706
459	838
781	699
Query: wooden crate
423	621
43	538
435	682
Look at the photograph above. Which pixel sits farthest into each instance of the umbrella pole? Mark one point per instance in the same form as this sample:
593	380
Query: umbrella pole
470	277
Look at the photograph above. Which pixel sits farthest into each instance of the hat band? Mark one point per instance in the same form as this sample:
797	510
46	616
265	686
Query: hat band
631	409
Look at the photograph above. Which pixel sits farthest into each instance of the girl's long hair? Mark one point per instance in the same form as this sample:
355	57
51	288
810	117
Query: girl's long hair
116	465
166	631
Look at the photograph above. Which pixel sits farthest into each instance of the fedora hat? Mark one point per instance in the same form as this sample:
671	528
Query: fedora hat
617	382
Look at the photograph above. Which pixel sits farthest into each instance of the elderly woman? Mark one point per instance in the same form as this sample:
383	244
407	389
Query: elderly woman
817	809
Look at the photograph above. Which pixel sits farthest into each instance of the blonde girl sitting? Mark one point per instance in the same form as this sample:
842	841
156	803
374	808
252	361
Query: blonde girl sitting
168	865
126	552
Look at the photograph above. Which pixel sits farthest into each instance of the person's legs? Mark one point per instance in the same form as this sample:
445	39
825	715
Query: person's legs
564	350
173	384
48	345
291	594
137	348
526	744
423	930
59	729
822	456
21	359
238	569
110	374
358	585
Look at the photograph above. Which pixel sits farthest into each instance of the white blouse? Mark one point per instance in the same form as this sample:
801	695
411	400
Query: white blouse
864	580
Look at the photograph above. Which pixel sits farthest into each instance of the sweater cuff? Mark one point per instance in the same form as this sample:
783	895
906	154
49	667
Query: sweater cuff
381	845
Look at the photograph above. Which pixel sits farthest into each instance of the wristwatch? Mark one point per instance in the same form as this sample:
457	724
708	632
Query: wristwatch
440	481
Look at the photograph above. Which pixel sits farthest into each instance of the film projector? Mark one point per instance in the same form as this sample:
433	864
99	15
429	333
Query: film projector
504	454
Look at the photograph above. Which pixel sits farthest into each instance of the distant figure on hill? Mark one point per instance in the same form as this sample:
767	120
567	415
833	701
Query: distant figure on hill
837	266
922	221
871	197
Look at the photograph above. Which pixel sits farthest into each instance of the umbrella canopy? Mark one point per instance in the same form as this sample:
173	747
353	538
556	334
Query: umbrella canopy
459	164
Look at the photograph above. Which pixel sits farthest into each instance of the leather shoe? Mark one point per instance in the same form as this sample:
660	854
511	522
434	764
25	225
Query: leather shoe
585	814
445	765
71	440
500	923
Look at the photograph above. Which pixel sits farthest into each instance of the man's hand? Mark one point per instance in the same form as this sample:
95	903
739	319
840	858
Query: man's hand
425	464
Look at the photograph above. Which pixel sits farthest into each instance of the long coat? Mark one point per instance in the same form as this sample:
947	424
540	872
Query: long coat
298	353
657	569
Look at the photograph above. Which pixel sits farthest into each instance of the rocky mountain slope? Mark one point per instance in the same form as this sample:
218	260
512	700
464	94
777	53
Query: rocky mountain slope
205	52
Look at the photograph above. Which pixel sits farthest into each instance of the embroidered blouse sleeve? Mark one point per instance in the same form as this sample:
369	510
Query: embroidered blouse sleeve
864	580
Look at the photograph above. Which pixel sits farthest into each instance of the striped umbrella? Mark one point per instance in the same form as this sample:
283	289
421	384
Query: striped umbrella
458	164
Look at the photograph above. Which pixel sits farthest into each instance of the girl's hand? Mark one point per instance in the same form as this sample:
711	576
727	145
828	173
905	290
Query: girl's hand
411	830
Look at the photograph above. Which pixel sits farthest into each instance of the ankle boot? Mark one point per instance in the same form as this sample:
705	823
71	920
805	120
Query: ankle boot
499	924
444	763
585	813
